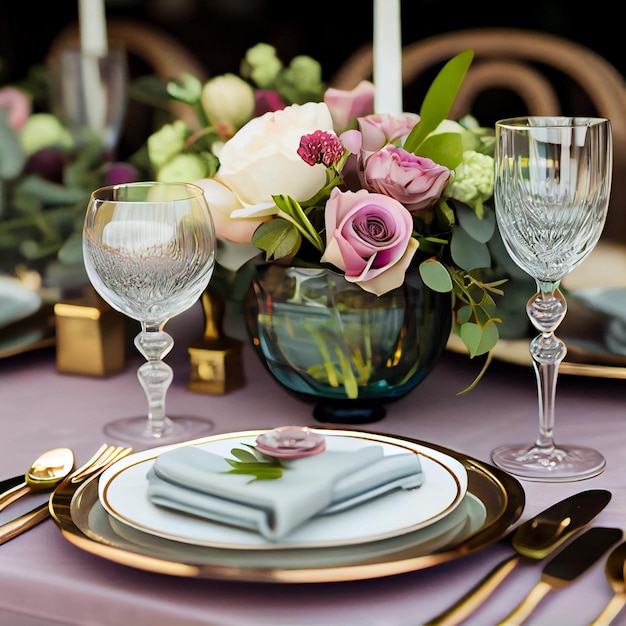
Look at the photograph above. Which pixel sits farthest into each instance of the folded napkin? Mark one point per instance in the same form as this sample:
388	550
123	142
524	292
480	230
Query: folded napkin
192	480
611	302
16	301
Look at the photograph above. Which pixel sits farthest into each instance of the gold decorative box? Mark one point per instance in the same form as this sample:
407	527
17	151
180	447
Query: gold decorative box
90	337
216	361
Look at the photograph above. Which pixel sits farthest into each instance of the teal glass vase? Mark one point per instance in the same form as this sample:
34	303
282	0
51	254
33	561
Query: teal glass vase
334	345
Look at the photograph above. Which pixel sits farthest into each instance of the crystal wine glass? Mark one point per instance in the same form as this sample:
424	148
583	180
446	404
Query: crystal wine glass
92	95
149	251
552	186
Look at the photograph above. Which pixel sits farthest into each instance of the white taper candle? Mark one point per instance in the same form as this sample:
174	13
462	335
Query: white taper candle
387	57
93	31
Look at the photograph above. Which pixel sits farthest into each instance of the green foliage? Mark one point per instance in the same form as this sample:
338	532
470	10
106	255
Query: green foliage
254	463
445	149
439	99
435	276
278	238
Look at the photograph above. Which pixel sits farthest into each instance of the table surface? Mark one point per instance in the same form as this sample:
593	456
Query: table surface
45	580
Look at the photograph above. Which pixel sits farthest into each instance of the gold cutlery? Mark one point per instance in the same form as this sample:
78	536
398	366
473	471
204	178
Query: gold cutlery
534	539
575	559
615	570
46	472
100	461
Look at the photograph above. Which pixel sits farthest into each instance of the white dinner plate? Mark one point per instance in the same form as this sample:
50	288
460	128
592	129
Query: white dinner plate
123	494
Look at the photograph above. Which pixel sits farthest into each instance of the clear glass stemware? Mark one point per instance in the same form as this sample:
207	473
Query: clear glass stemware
553	178
92	95
149	251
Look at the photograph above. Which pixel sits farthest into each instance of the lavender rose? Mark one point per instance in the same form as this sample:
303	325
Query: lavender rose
368	236
417	182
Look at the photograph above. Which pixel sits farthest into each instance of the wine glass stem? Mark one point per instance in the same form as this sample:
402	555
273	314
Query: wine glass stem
546	310
155	376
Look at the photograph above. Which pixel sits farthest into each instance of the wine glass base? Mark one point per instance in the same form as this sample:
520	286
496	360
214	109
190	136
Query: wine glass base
561	464
135	431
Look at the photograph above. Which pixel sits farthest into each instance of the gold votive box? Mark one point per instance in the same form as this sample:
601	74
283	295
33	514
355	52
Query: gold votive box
90	337
215	359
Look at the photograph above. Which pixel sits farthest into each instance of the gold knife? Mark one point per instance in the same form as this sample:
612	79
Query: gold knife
535	539
23	522
575	559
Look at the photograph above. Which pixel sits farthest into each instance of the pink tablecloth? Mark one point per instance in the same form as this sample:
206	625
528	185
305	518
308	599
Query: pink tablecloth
44	580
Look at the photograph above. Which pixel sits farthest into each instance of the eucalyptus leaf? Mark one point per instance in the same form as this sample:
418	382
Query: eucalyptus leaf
479	340
464	313
468	253
435	276
480	229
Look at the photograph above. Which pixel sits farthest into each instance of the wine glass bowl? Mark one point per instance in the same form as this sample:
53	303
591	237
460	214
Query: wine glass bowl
149	251
552	186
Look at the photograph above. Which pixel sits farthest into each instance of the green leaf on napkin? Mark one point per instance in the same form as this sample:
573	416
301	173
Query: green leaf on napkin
254	463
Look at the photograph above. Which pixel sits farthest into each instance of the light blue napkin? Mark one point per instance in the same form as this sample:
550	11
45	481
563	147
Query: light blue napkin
192	480
611	302
16	301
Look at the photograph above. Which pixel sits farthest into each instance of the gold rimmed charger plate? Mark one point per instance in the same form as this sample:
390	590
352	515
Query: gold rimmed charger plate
84	523
35	332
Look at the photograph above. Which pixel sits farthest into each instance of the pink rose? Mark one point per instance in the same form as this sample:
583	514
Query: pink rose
345	106
417	182
368	237
379	130
17	104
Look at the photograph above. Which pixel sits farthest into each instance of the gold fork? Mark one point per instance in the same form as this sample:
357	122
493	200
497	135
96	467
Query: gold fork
105	456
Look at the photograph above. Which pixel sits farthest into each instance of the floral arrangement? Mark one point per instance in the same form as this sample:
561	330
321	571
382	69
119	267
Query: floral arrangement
45	182
311	177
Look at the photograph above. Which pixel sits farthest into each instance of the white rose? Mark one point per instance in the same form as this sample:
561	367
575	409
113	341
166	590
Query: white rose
261	161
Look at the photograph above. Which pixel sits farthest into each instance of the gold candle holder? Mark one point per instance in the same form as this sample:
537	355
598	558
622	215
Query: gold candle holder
90	337
216	361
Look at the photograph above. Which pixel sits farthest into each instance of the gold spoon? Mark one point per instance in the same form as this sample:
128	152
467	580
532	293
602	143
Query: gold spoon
45	474
615	571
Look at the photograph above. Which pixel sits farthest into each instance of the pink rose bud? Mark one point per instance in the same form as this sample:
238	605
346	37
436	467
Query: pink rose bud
267	101
346	106
17	103
417	182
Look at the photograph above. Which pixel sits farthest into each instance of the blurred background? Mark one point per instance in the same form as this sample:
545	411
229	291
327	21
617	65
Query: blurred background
219	32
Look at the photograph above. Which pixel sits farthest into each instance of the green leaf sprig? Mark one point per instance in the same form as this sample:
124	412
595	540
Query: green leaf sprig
254	463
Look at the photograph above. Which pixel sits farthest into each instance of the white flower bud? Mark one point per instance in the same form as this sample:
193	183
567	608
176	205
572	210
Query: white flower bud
228	102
